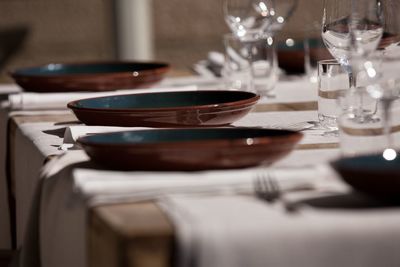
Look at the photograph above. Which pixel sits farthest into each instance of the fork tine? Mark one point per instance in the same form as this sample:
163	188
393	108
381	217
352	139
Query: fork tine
258	186
274	185
271	192
265	187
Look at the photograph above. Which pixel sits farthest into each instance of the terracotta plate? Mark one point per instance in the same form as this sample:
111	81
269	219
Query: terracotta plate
189	149
95	76
372	175
166	109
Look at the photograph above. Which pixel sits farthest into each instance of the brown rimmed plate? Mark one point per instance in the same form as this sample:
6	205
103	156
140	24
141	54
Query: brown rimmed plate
91	76
166	109
189	149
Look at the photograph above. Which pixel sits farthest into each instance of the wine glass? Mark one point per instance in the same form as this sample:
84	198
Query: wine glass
248	16
283	10
262	16
351	30
387	89
251	20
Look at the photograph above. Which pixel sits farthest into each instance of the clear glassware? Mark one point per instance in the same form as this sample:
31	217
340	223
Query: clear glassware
352	30
249	65
333	82
251	20
248	16
263	16
387	89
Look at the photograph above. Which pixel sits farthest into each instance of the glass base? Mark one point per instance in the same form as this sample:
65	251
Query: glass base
365	118
328	122
332	133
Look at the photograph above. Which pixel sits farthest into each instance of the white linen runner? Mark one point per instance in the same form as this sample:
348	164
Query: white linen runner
63	213
70	185
236	231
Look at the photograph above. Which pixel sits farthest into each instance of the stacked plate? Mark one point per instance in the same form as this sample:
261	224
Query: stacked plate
192	145
185	147
189	149
94	76
166	109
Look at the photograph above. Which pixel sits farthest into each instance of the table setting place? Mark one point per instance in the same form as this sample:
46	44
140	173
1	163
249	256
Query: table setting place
250	167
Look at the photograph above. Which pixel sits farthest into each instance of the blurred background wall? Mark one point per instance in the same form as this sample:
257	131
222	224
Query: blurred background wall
58	30
181	31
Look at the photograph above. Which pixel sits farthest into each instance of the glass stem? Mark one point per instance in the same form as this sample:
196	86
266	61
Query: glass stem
352	80
359	112
250	60
387	104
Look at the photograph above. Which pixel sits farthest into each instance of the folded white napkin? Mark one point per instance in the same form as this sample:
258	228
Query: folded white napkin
40	101
97	186
210	67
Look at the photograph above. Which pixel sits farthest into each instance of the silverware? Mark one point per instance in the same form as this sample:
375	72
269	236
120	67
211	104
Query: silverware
266	187
297	126
305	125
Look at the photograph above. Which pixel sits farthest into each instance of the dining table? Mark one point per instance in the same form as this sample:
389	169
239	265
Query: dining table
69	211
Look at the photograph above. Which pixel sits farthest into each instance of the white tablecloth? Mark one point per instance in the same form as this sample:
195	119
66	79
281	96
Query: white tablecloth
328	230
71	186
29	148
5	230
59	206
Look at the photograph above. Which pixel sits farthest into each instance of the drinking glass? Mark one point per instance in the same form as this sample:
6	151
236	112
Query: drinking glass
244	16
351	30
333	82
282	11
251	21
387	89
248	16
250	65
315	50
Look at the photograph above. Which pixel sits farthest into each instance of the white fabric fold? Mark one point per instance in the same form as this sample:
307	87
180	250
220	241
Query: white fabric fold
97	186
236	231
42	101
5	115
62	216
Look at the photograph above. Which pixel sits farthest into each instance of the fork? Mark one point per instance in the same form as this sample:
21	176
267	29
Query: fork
296	126
266	187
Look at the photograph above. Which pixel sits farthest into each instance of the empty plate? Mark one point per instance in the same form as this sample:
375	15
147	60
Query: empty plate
189	149
96	76
166	109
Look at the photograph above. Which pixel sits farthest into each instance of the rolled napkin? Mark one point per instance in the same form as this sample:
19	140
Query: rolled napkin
41	101
98	188
9	89
212	66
